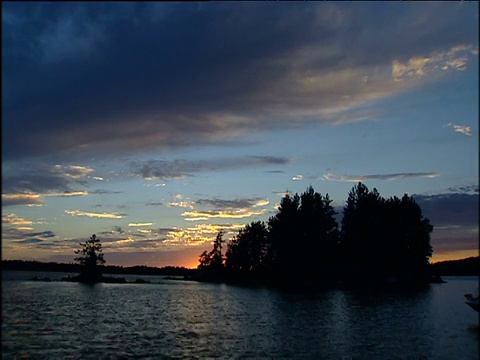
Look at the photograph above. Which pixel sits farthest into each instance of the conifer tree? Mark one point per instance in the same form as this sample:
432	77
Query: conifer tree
91	259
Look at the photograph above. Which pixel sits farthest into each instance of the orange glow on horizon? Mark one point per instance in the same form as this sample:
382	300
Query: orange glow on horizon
453	255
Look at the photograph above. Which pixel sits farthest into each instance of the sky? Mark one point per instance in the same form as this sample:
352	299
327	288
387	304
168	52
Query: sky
155	125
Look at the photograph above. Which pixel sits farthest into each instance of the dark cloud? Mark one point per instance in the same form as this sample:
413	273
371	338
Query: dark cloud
163	169
27	179
275	171
154	204
450	209
30	241
19	236
87	77
20	199
104	192
35	182
464	189
230	204
43	234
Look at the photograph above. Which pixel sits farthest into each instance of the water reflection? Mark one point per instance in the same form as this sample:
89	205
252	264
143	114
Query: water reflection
187	319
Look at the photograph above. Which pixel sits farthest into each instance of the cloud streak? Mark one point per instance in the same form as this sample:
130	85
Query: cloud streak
177	169
94	214
21	199
140	224
227	209
382	177
462	129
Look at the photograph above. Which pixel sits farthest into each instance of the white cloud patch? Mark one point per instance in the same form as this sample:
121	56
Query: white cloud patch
69	193
140	224
297	178
462	129
455	58
413	67
224	214
227	209
200	234
13	219
74	171
182	204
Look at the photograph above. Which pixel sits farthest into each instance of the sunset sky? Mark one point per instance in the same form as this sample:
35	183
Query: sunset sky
155	125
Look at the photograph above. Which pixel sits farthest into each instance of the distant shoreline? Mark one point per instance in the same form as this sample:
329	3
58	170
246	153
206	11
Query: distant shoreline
463	267
27	265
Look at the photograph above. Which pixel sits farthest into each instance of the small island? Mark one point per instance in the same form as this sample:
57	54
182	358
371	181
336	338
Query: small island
91	260
381	243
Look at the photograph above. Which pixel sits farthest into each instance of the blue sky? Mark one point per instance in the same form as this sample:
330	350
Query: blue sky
155	125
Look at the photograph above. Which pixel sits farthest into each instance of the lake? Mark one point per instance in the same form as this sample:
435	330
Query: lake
184	319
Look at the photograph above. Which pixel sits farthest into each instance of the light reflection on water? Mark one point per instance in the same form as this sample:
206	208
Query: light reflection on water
179	319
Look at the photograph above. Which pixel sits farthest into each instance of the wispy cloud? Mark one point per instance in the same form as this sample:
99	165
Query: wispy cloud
154	204
182	204
233	204
94	214
200	234
69	193
463	129
74	171
297	178
21	199
140	224
227	209
455	58
224	214
13	219
177	169
389	177
29	185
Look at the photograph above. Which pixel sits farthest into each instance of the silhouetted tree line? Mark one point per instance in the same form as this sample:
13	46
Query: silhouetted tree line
463	267
23	265
379	241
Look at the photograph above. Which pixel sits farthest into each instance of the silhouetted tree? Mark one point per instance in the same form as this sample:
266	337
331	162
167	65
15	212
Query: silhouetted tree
384	238
408	234
90	259
303	236
283	229
320	232
217	257
211	263
248	250
362	225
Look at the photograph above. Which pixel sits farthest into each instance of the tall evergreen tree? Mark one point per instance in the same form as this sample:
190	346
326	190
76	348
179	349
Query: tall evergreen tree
91	259
283	230
303	235
384	238
408	232
212	263
248	250
361	233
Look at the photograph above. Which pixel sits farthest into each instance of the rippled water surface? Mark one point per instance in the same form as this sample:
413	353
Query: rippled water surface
181	319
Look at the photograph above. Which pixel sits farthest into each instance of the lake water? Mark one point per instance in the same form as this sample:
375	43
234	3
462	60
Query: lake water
181	319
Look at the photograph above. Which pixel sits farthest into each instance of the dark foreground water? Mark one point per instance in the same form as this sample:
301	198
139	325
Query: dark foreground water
180	319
